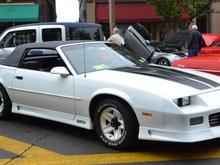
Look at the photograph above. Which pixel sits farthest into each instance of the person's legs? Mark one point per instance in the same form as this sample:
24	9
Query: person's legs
193	52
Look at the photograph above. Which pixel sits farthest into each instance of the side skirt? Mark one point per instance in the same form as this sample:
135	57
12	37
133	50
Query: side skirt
70	119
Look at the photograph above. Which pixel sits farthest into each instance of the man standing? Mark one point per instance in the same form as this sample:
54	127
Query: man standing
195	42
115	37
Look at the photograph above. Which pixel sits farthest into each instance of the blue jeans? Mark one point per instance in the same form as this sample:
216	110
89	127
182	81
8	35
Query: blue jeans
193	52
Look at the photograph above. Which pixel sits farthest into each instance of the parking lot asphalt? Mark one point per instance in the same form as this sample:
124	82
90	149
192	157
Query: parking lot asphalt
26	141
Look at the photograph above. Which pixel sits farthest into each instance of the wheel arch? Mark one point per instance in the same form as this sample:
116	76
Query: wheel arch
100	97
5	88
159	59
4	85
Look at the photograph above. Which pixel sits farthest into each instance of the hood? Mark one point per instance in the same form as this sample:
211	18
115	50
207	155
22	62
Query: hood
164	81
170	56
206	61
209	38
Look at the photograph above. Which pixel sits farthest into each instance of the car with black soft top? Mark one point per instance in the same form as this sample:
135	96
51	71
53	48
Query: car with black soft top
102	86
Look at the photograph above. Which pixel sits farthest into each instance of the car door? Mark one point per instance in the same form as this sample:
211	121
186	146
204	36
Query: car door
38	91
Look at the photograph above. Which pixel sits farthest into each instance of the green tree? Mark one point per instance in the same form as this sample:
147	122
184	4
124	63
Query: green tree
171	10
197	9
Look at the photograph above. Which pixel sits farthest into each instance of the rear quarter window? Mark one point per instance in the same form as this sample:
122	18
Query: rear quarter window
217	43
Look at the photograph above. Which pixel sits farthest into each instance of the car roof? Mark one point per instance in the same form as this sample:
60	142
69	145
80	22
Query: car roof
14	58
67	24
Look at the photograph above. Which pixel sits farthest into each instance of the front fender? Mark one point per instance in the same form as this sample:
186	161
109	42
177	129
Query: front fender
6	79
114	92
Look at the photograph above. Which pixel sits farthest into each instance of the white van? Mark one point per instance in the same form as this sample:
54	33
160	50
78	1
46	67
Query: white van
50	31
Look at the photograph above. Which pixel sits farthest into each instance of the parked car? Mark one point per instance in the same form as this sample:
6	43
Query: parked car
103	86
175	42
50	31
142	48
164	46
209	63
209	58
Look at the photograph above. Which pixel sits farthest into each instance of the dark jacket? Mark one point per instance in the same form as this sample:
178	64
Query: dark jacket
195	40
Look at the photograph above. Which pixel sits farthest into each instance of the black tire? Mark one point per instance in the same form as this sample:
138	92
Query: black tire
164	62
5	104
120	120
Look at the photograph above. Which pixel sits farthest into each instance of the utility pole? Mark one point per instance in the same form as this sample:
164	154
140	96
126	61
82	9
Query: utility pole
82	10
111	6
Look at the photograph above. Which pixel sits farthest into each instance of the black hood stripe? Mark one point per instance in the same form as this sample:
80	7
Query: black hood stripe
188	79
199	78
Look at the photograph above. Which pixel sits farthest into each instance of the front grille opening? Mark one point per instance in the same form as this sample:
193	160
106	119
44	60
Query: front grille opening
214	119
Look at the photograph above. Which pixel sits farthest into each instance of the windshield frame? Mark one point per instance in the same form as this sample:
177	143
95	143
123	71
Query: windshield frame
136	63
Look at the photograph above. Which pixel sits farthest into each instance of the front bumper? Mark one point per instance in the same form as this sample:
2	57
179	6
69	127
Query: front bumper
175	125
185	137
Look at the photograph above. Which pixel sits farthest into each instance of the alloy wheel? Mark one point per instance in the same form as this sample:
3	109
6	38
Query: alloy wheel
112	124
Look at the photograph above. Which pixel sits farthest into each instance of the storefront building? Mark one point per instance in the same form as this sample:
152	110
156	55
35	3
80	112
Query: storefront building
128	12
16	12
214	19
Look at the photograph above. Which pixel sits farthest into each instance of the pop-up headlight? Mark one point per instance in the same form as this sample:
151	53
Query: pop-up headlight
182	101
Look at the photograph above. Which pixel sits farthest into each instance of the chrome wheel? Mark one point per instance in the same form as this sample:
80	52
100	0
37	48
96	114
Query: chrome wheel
164	62
112	124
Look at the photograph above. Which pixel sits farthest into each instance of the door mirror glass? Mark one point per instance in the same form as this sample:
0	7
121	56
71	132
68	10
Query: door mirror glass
62	71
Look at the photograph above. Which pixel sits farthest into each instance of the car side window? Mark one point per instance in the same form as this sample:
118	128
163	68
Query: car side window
42	60
16	38
217	43
51	34
87	33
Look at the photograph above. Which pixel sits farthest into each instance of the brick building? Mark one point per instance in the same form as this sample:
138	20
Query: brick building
15	12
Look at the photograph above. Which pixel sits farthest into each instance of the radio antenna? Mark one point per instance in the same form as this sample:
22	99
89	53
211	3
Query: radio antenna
84	52
84	58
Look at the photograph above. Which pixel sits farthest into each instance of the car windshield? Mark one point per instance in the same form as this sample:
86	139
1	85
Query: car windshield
90	57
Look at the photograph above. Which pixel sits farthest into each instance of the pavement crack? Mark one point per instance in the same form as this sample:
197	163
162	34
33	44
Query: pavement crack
28	148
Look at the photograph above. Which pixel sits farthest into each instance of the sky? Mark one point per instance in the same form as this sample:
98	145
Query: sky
67	10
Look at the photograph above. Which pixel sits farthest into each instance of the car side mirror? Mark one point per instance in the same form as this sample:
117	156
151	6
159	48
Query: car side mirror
62	71
147	42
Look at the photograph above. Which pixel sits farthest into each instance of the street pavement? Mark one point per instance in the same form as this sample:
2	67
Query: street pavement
26	140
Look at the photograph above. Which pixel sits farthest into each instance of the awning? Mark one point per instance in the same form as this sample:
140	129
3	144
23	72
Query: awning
19	13
129	12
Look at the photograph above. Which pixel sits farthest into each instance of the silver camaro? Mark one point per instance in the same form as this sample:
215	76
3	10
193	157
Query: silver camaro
101	86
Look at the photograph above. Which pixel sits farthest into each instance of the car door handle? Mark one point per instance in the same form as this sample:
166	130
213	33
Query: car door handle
19	77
